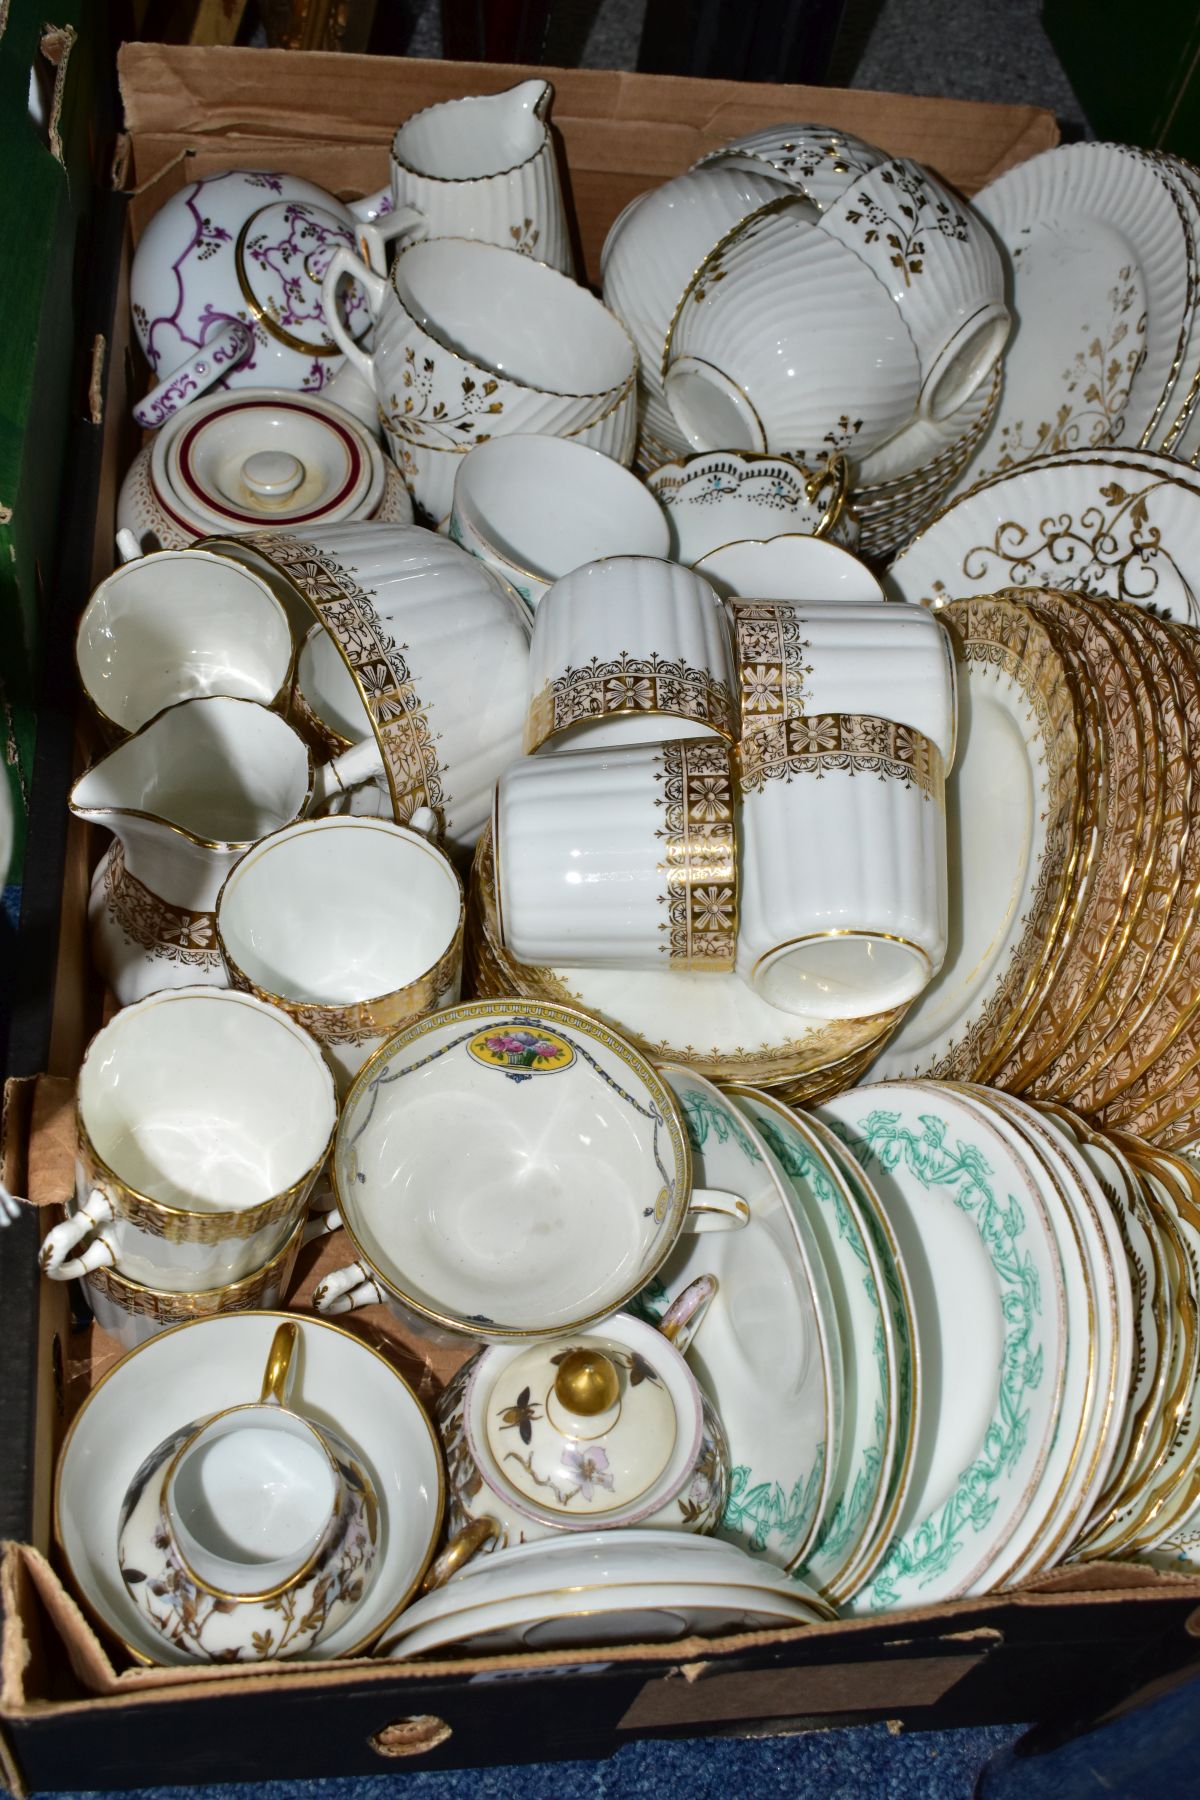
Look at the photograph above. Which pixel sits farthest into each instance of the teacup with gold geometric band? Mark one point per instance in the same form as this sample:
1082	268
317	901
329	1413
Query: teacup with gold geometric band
844	877
621	858
622	645
351	926
204	1116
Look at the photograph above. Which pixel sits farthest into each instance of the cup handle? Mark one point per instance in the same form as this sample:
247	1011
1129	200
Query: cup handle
458	1552
128	548
345	1290
278	1372
423	820
375	236
349	770
685	1315
58	1242
712	1209
227	349
10	1207
835	476
344	262
321	1224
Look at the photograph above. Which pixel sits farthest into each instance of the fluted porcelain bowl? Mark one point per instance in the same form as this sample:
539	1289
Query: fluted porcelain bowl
788	343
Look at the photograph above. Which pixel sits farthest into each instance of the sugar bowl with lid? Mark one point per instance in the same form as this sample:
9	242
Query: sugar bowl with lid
601	1429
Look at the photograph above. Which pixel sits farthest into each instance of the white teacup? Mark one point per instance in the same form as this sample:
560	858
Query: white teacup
844	882
821	656
787	342
623	645
178	626
623	857
535	507
252	1534
351	926
471	342
724	497
204	1116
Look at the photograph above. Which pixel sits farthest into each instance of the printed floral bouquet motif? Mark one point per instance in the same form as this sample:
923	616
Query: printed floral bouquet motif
516	1047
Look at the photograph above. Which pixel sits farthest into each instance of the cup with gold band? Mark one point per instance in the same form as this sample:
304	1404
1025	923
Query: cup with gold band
844	878
624	857
204	1116
353	927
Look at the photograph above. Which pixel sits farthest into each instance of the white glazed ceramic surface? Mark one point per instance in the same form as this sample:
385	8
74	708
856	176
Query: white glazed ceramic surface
913	460
511	1171
896	662
942	268
171	627
656	1456
1117	523
204	1117
1098	267
815	159
472	341
789	567
130	1312
186	796
484	167
352	926
431	652
788	343
768	1352
194	1370
844	883
652	251
872	1422
248	245
622	857
625	650
725	496
986	1273
534	508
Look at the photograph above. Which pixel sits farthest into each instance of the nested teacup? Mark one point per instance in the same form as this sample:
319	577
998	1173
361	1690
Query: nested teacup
352	926
204	1116
253	1533
510	1170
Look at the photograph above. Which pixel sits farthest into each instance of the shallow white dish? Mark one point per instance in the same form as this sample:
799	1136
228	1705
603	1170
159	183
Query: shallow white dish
193	1370
789	566
769	1354
986	1273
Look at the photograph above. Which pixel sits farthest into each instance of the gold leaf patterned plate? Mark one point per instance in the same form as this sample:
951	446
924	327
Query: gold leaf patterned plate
1100	258
715	1024
1166	912
1127	785
1124	525
1014	821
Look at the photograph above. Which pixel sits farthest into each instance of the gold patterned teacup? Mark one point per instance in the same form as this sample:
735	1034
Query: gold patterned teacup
131	1312
253	1533
352	926
203	1118
621	858
627	649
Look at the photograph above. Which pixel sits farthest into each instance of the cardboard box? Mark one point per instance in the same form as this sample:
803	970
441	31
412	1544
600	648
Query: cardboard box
71	1711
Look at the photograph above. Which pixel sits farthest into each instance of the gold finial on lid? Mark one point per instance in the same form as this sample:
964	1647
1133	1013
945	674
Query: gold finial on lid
587	1383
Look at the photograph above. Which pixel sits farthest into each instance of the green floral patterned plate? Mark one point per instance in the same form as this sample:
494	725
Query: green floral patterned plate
983	1265
769	1356
860	1480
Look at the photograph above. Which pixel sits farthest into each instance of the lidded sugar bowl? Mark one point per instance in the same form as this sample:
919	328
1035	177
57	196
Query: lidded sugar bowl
605	1428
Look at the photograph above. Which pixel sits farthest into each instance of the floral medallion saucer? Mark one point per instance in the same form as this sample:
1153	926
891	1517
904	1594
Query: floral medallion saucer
769	1355
876	1420
986	1272
1101	289
1122	525
1013	839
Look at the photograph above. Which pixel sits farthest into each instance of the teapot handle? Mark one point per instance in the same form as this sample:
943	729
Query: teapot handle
685	1315
345	262
226	350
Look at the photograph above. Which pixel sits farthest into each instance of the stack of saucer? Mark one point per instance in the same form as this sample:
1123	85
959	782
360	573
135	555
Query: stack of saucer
1078	879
